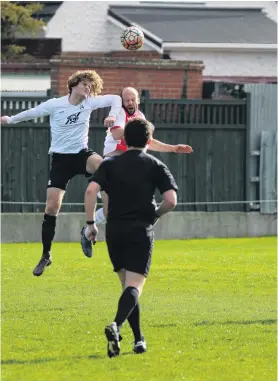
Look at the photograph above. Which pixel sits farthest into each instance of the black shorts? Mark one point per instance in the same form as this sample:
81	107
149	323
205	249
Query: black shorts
130	246
65	166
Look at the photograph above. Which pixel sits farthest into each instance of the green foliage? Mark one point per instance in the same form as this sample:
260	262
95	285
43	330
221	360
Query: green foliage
17	20
208	313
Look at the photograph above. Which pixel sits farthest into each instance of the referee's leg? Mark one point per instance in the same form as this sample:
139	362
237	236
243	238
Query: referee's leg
129	299
134	256
134	317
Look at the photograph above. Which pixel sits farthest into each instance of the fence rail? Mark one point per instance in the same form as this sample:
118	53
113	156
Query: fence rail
159	111
190	111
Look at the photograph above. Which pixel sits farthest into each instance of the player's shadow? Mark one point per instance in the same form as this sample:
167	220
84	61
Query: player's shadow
163	325
243	322
96	357
50	359
27	362
36	310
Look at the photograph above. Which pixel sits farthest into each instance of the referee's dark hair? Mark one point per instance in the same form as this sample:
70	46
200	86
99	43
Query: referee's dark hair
137	133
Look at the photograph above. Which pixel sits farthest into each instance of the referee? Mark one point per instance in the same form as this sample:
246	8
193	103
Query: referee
130	180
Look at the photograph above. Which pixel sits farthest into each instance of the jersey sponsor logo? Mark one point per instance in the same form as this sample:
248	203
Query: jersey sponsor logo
73	118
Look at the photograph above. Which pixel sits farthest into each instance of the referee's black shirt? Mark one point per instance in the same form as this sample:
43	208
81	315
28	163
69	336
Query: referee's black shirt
130	180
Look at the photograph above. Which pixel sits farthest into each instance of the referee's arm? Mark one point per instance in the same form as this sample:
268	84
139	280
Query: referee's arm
91	200
169	202
96	185
167	186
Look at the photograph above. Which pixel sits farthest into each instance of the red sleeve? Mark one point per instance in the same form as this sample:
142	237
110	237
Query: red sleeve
115	127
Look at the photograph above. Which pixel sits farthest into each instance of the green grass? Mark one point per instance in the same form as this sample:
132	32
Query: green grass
208	314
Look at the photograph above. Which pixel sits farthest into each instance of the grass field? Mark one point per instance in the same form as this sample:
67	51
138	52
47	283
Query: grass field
208	314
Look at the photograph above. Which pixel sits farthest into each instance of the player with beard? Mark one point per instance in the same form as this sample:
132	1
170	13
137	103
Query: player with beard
114	144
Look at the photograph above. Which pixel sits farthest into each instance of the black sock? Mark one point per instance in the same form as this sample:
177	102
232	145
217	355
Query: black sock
127	302
134	322
48	232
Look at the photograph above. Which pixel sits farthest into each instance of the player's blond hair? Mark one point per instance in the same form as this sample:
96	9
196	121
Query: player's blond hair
88	75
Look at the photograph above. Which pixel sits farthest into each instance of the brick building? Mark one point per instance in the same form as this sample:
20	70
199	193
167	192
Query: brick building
188	49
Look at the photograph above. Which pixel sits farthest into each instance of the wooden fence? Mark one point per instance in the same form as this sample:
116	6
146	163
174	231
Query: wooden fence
209	179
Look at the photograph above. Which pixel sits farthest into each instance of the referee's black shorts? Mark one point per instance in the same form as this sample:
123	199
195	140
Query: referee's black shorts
130	246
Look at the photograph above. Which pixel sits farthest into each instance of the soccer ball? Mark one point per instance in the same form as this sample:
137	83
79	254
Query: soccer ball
132	38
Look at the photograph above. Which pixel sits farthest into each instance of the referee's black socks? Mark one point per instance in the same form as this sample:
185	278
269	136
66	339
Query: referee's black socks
48	232
134	322
127	302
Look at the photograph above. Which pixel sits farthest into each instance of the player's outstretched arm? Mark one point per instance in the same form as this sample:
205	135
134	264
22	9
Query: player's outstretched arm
4	119
41	110
158	146
113	101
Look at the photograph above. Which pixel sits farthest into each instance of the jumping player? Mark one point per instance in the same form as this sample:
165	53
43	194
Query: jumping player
69	124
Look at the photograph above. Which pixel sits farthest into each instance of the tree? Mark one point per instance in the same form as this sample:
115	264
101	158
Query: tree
17	20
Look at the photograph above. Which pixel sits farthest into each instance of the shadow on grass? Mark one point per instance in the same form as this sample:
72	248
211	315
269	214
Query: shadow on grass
245	322
46	360
163	325
36	310
25	362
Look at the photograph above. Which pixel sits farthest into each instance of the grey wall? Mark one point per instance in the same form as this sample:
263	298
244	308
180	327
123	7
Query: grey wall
263	118
20	227
263	111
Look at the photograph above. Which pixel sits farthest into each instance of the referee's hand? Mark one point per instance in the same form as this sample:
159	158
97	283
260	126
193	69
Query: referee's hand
92	233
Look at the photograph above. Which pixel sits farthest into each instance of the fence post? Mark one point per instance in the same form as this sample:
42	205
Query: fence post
145	96
248	184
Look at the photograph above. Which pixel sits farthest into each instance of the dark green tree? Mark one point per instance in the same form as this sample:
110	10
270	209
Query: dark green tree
17	20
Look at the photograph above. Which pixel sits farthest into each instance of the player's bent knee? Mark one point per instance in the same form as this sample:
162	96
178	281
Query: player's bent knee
54	201
52	207
93	162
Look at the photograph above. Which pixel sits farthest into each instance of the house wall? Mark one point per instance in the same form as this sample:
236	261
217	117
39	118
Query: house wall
163	78
85	28
246	64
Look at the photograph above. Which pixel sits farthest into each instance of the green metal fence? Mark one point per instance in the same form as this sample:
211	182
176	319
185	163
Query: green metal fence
209	179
